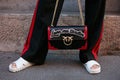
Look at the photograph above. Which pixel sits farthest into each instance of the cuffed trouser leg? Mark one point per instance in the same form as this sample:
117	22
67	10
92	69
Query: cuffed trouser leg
94	14
36	46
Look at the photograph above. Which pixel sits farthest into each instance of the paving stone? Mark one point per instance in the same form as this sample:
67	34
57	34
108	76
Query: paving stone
60	67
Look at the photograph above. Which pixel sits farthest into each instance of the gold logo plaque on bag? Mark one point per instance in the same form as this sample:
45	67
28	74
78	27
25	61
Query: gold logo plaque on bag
67	40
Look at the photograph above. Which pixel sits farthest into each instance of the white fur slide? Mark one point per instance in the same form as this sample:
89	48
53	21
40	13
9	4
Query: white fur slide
88	65
19	65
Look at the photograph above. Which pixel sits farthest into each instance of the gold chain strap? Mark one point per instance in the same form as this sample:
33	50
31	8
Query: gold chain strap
81	14
80	9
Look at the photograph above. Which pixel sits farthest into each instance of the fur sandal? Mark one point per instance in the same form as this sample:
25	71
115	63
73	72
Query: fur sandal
93	67
19	65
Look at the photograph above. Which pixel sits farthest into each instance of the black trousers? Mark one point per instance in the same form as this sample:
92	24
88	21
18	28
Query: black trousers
36	46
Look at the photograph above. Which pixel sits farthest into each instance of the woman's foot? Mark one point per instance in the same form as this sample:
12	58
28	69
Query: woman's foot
93	67
19	65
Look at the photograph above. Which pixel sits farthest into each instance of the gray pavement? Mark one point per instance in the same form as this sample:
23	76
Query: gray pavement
60	67
112	6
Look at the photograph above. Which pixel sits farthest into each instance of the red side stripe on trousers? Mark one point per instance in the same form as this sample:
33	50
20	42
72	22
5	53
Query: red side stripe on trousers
97	46
27	43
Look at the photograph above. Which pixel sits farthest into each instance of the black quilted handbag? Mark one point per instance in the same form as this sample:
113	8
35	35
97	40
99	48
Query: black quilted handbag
67	37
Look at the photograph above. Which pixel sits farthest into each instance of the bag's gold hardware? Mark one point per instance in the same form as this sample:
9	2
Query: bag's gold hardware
67	40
